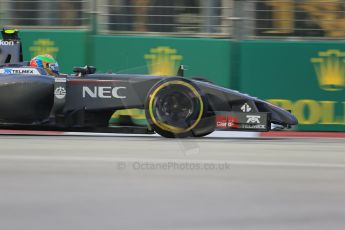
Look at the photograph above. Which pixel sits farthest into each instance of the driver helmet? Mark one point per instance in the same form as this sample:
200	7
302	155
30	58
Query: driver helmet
47	62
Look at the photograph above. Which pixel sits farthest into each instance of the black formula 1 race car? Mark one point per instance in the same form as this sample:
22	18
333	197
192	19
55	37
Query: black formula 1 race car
174	106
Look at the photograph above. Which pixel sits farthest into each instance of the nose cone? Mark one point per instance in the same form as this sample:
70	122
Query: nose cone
291	119
281	116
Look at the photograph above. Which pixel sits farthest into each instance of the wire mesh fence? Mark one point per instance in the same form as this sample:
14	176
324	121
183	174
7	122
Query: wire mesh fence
173	17
323	19
204	18
296	18
44	13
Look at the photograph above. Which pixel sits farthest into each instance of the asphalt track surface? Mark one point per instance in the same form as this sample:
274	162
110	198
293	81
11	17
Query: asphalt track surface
90	182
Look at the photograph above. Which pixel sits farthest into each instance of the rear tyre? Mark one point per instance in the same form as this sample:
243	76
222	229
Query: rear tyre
176	108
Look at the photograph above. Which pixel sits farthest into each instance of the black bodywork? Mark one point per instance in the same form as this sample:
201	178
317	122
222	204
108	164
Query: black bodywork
86	101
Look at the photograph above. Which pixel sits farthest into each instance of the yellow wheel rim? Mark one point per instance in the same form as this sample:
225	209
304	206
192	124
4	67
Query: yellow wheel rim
171	128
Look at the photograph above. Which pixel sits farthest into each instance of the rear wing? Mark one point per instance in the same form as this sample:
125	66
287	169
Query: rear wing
10	47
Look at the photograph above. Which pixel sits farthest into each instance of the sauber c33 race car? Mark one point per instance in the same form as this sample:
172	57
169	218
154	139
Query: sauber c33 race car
174	106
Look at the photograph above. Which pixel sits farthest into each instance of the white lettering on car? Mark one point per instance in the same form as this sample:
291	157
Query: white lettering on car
60	92
26	71
6	43
253	119
103	92
246	108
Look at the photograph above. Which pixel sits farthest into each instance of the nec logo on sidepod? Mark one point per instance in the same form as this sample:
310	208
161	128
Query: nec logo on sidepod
104	92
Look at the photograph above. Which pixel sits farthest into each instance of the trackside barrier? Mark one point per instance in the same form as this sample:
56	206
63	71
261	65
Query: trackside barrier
307	78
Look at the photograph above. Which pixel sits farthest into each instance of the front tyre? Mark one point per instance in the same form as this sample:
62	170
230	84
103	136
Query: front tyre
175	108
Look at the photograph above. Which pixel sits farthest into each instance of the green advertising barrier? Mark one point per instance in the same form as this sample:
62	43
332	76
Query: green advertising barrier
68	47
305	77
208	58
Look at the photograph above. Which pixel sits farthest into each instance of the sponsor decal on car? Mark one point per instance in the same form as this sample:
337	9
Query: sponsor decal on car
6	43
221	122
29	71
225	122
252	126
104	92
60	92
233	122
253	119
253	122
60	79
239	120
246	108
